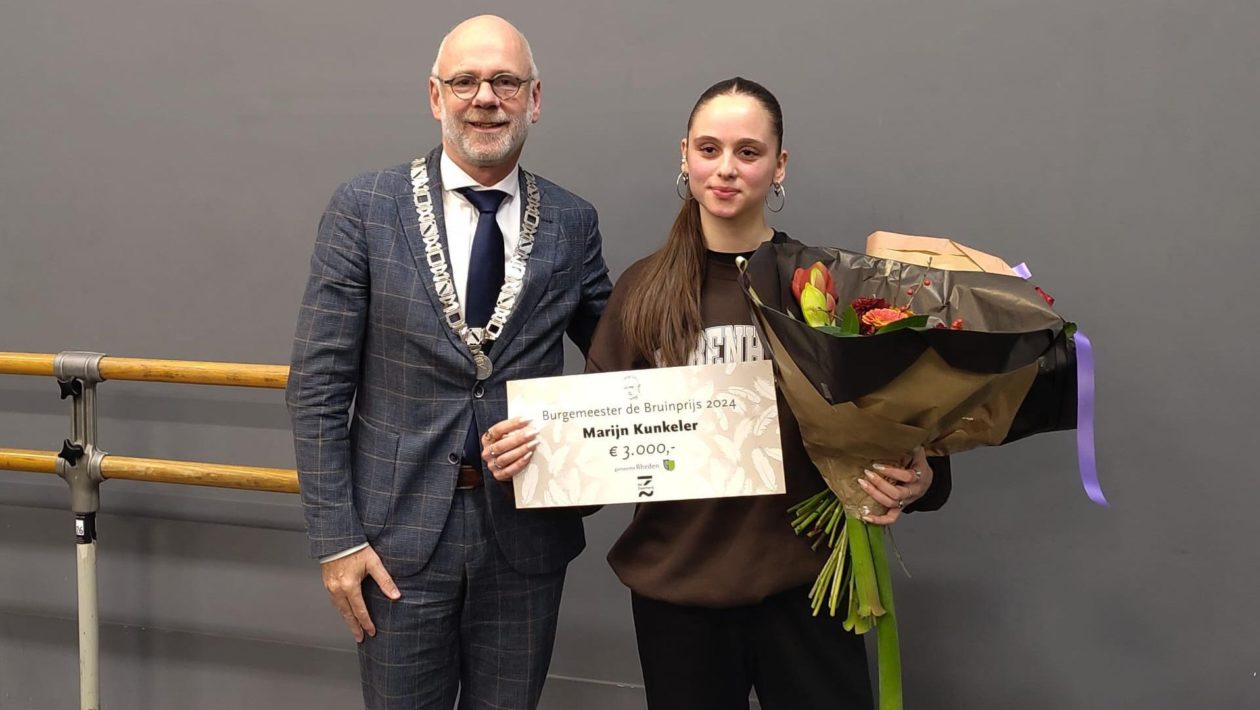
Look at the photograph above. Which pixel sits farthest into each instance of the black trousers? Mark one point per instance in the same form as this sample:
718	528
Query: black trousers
697	658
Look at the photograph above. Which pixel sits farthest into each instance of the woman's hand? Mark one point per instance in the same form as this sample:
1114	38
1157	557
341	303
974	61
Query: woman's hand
507	447
894	488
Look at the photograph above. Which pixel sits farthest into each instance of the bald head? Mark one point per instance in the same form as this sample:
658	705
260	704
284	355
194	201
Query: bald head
480	37
484	133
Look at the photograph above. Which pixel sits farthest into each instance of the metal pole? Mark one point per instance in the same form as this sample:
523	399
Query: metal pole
80	465
89	625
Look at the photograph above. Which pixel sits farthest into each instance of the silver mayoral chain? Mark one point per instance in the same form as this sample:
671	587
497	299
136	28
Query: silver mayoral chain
513	273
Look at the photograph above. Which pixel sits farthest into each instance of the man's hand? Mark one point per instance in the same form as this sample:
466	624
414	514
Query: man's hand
343	578
507	447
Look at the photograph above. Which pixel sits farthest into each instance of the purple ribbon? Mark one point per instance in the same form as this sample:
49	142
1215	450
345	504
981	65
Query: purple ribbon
1086	459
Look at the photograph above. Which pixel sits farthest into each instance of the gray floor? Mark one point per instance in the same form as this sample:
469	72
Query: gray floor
146	668
199	614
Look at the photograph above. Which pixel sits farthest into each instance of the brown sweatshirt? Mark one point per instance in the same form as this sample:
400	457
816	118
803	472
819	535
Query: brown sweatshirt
728	551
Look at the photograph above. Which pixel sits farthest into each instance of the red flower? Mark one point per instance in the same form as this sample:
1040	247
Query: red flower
815	292
868	303
818	275
1048	297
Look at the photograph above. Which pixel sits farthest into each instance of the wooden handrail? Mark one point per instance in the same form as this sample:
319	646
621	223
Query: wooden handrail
189	372
194	373
28	460
83	492
26	364
189	473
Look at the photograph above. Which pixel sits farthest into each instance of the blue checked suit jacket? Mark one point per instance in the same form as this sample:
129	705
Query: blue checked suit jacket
371	332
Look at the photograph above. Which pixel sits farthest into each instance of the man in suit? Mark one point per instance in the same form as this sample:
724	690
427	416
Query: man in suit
432	284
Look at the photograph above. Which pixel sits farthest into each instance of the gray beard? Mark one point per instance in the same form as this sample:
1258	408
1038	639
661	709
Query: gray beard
483	153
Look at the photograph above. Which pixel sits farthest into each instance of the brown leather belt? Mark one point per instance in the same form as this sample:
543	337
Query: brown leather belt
469	477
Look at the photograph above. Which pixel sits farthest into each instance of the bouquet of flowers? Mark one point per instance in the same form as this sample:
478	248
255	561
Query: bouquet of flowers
877	357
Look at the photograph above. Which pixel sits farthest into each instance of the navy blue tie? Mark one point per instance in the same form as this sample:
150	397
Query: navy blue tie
485	266
485	279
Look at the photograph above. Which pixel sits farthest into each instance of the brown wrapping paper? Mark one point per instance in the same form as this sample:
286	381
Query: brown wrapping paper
937	252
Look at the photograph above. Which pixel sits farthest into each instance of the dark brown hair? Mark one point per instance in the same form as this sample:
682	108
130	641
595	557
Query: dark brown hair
661	319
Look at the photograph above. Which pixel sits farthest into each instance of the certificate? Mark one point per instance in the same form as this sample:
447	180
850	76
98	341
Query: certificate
674	433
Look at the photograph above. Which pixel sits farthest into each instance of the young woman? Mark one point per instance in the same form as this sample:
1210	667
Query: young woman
719	587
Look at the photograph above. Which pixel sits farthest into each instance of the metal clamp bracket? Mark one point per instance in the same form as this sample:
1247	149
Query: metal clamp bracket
79	462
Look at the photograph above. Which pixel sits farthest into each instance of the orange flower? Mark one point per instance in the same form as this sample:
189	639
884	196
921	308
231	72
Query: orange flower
877	318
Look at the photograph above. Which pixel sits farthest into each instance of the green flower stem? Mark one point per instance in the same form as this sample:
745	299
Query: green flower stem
804	522
890	692
852	621
835	530
825	575
837	514
837	579
828	575
863	568
810	502
855	622
820	517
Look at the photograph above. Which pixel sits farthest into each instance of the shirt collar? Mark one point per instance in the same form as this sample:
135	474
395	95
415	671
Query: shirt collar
454	177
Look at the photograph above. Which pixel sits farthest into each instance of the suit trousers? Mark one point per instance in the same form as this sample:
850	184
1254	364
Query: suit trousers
699	658
468	625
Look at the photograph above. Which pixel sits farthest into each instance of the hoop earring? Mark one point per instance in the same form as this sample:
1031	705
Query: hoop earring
681	183
777	189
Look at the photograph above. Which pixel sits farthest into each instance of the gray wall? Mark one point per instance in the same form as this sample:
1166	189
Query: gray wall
163	165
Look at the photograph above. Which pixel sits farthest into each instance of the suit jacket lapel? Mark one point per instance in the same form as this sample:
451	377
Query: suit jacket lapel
415	240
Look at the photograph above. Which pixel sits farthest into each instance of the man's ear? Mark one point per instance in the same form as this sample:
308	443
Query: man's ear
536	93
435	97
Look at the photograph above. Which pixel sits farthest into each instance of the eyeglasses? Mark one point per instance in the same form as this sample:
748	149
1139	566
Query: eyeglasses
505	86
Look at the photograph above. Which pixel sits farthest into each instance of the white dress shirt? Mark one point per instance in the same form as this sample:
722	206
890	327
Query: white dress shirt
461	219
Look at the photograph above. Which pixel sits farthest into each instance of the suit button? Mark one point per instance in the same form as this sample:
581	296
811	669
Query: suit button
453	458
479	391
